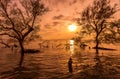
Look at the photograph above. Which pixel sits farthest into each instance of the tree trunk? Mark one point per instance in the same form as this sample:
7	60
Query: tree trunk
22	53
97	44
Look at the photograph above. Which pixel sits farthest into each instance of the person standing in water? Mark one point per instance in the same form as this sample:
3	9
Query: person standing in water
70	65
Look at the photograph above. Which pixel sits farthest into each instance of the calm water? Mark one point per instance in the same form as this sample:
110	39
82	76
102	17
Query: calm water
53	64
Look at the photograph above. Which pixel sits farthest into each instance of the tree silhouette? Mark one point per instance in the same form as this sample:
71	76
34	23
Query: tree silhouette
17	20
96	19
116	33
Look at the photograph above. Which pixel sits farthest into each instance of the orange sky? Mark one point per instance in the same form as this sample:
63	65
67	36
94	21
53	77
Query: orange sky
54	24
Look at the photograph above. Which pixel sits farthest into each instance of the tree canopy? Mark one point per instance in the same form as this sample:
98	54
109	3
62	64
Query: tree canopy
96	21
17	20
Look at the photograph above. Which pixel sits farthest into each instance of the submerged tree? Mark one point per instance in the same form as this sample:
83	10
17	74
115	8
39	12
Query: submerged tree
96	20
17	19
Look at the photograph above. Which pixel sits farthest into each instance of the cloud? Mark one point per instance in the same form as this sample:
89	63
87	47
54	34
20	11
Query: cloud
51	25
82	0
55	23
58	17
60	1
54	2
73	2
47	26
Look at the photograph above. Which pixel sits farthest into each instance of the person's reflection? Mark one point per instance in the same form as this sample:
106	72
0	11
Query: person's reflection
70	65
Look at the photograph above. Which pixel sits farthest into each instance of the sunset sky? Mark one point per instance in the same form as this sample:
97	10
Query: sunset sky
54	24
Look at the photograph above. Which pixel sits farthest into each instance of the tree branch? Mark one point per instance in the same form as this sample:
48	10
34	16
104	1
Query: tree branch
29	31
7	16
9	35
1	42
22	16
5	28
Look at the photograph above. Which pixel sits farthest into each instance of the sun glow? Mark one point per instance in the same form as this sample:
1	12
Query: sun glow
72	27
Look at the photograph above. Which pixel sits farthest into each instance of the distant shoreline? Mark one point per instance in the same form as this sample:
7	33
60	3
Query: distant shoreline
103	48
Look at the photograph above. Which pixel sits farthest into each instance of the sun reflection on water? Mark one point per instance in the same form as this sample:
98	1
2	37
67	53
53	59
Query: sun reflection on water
71	47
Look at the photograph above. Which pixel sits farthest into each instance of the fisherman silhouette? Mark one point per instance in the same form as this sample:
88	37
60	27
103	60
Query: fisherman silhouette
70	65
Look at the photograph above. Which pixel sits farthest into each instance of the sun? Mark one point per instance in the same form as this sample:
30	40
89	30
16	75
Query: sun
72	27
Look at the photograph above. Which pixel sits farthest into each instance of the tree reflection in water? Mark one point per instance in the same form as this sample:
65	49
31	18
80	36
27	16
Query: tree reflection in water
102	67
21	72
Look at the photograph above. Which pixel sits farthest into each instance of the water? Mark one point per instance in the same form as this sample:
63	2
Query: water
53	64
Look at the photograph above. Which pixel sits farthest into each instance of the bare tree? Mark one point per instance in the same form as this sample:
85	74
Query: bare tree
96	18
17	19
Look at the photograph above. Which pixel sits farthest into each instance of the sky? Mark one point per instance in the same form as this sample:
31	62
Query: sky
54	24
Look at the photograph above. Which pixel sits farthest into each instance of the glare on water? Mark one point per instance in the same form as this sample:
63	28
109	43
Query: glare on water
71	47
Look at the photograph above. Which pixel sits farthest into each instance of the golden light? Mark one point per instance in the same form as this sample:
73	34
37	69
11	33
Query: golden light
72	27
72	42
71	47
